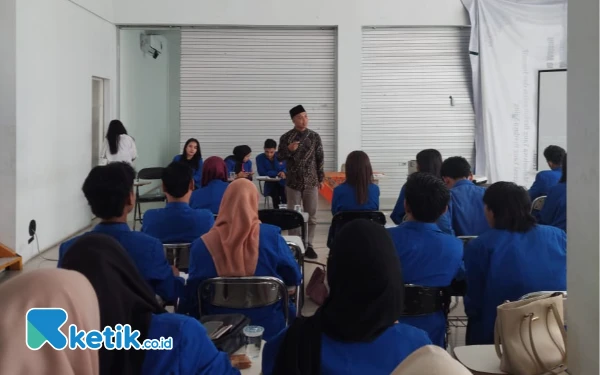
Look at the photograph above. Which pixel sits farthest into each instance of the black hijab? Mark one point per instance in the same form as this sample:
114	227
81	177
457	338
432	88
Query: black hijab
239	153
123	295
365	298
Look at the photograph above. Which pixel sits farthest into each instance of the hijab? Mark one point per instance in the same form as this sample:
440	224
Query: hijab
365	298
430	360
239	153
214	169
124	296
233	240
55	288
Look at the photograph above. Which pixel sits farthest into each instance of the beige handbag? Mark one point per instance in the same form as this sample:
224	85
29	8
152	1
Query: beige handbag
530	336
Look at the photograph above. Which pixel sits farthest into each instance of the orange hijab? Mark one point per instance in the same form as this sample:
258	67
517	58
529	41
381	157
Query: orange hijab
233	241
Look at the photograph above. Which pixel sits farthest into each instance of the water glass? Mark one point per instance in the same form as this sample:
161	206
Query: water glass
298	208
254	336
283	206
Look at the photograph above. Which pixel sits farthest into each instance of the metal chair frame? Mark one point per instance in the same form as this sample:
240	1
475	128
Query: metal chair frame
246	282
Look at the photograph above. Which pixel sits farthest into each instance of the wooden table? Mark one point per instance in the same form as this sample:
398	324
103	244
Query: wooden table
333	179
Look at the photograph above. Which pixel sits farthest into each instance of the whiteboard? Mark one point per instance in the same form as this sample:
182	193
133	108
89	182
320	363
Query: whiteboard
552	112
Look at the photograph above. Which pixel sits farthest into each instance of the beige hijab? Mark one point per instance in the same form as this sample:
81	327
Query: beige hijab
430	360
47	288
233	241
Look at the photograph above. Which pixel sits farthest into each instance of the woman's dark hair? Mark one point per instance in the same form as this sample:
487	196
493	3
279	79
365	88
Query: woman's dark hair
511	206
193	162
563	178
430	161
359	174
554	154
115	129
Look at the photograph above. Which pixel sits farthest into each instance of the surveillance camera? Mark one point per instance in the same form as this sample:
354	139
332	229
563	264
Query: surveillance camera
155	54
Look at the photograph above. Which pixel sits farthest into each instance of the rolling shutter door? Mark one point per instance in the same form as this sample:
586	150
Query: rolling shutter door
238	85
408	77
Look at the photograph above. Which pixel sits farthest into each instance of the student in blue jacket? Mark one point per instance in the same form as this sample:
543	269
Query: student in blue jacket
213	185
177	222
356	330
514	258
428	161
428	256
124	298
466	198
240	163
239	245
554	211
269	165
545	180
109	192
192	156
358	192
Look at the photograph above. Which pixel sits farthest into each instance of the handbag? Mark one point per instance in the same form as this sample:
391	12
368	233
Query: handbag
530	337
317	289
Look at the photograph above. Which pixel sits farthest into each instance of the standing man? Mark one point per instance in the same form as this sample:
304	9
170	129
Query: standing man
303	151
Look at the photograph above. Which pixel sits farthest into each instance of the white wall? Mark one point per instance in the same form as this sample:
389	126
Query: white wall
583	210
348	15
102	8
60	46
8	122
150	97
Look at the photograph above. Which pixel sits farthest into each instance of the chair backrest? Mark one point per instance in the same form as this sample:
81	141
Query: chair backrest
150	173
284	219
422	300
344	217
243	293
466	239
178	254
538	203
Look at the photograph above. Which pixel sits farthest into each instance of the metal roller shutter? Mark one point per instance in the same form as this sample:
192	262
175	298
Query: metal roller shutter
238	85
408	77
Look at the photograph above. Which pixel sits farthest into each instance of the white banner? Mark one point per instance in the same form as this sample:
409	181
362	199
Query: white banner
511	40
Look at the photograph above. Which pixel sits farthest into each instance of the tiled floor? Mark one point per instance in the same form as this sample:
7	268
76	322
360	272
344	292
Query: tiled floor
48	260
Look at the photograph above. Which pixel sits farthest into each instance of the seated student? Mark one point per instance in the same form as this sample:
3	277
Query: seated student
269	165
428	161
239	245
212	187
358	192
429	257
43	288
124	298
356	330
177	222
109	192
545	180
514	258
554	211
192	156
466	198
240	162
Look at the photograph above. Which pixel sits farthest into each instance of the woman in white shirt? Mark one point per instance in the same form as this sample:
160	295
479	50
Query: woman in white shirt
118	146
